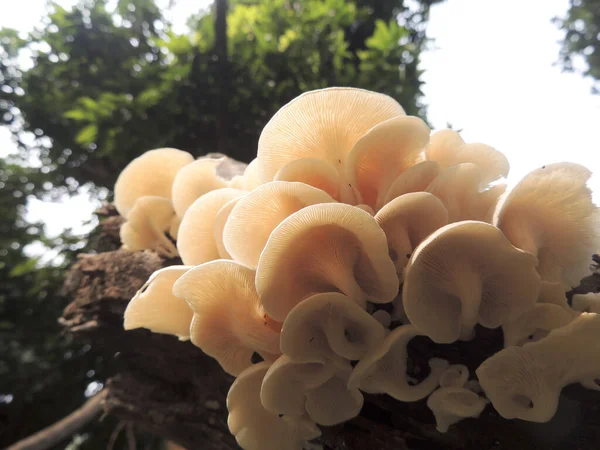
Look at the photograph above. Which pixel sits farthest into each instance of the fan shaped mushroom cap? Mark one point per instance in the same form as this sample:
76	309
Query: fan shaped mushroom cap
156	308
535	324
229	322
464	273
195	180
587	302
256	428
550	214
383	369
448	149
314	172
384	152
324	248
249	180
525	382
220	222
329	326
406	221
454	403
150	174
257	214
147	224
414	179
323	124
196	237
456	375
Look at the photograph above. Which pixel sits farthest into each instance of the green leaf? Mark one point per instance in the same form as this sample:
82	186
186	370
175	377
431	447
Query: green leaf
87	135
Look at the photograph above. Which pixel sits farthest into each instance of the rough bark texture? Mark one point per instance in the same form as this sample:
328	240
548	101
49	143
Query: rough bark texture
172	389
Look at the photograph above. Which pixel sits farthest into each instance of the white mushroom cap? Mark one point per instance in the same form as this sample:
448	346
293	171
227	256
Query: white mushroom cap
414	179
219	226
456	375
256	428
257	214
147	224
525	382
454	403
152	173
406	221
229	322
323	124
587	302
554	293
195	180
156	308
329	326
448	149
314	172
249	180
196	237
464	273
383	369
383	153
324	248
551	215
535	324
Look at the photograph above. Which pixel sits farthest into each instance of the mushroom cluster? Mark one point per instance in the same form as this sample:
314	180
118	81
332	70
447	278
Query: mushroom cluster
354	230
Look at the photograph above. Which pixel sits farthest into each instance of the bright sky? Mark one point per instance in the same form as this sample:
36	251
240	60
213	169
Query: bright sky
491	72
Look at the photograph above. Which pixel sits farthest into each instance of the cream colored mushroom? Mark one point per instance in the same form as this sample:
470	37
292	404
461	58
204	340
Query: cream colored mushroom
587	302
156	308
535	324
219	226
448	149
256	428
325	248
383	369
229	322
314	172
554	293
454	403
383	317
550	214
255	216
147	225
323	124
525	382
150	174
330	326
406	221
413	179
456	375
196	237
382	154
249	180
465	273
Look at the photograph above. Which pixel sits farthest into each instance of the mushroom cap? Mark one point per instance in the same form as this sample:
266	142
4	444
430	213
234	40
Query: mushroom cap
383	317
329	326
257	214
414	179
448	149
314	172
323	124
464	273
554	293
219	226
256	428
229	322
453	403
383	369
196	237
152	173
406	221
456	375
535	324
249	180
324	248
147	224
195	180
587	302
156	308
550	214
525	382
383	153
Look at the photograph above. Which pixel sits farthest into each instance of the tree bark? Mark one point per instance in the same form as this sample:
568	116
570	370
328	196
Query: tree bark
170	388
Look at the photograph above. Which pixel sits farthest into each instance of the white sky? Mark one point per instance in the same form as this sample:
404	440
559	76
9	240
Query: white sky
491	72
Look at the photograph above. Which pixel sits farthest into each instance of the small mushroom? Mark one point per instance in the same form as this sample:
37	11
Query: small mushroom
255	216
196	237
256	428
587	302
314	172
329	247
453	403
383	317
525	382
150	174
329	326
383	369
414	179
156	308
550	214
465	273
456	375
406	221
535	324
249	180
229	321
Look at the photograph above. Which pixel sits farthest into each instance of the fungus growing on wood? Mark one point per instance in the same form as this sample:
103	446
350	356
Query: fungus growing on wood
456	375
451	404
535	324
